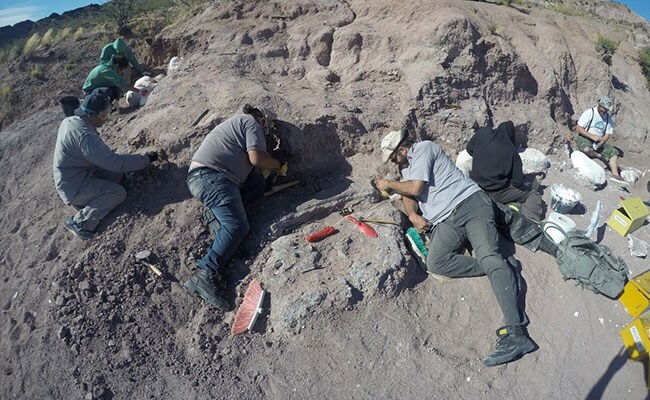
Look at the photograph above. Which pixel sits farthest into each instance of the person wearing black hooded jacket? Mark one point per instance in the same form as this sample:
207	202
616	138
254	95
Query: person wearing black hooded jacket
497	169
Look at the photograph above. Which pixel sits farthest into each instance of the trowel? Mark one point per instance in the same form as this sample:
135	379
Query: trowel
363	227
142	257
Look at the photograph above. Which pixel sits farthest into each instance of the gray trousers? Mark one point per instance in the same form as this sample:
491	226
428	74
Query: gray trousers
97	197
473	221
531	201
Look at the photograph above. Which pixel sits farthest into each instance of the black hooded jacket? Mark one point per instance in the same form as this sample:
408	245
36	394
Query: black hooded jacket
496	163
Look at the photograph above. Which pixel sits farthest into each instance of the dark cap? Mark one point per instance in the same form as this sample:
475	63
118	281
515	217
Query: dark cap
93	104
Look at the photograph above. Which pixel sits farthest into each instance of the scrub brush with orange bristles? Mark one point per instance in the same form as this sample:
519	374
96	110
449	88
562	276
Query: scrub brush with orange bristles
249	309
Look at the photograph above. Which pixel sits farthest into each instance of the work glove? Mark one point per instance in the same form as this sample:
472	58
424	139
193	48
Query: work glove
153	156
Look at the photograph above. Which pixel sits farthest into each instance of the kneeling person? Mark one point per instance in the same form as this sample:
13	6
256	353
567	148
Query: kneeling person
86	171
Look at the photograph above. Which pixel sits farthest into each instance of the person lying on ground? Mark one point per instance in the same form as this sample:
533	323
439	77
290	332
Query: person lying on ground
108	75
594	129
440	199
222	177
86	171
497	169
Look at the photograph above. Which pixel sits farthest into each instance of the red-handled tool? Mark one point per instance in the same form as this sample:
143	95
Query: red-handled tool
320	235
363	227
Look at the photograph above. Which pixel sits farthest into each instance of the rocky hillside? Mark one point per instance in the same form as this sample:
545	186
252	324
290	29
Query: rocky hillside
86	320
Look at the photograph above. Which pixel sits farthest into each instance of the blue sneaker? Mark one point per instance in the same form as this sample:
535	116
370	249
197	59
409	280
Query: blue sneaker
77	230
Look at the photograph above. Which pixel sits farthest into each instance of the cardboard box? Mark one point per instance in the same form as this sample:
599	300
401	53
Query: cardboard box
636	294
635	337
629	217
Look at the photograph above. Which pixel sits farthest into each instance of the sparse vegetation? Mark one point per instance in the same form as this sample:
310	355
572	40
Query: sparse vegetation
121	11
48	37
36	72
565	9
79	33
606	48
63	34
32	44
644	62
5	93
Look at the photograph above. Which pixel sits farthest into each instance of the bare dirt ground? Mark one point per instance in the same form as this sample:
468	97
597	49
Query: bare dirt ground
86	320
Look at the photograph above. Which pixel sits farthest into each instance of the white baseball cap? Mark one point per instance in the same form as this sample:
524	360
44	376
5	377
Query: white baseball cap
391	142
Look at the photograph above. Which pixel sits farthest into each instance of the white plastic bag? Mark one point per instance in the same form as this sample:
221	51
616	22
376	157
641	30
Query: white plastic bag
638	247
630	175
174	64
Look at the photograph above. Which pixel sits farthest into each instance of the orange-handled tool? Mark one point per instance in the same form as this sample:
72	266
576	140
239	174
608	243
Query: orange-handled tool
320	235
363	227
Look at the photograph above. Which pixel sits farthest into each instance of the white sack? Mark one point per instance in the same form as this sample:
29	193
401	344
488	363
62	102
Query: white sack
588	171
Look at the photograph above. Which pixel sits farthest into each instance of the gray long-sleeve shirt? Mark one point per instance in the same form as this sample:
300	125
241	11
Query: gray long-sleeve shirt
79	151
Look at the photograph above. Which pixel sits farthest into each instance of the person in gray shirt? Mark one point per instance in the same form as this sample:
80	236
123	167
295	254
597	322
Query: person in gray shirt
86	171
222	177
438	198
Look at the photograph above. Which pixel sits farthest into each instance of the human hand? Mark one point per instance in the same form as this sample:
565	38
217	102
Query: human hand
153	156
420	223
381	183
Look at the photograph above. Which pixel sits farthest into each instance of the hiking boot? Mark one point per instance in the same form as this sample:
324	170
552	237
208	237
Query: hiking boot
77	230
512	343
203	284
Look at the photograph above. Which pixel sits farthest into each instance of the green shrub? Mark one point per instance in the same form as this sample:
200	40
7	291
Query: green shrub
606	47
36	72
5	93
31	44
79	33
48	37
63	34
644	62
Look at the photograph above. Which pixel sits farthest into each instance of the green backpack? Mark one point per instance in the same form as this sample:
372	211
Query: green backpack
591	264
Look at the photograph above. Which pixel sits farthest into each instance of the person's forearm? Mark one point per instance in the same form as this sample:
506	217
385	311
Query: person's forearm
408	188
268	162
582	132
410	206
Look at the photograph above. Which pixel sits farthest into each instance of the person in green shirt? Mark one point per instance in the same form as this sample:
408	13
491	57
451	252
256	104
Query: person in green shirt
117	48
108	75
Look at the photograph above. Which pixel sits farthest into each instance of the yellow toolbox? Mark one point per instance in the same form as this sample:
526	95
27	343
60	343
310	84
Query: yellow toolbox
635	337
636	294
629	217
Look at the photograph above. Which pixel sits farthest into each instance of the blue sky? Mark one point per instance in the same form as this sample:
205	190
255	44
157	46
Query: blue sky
13	11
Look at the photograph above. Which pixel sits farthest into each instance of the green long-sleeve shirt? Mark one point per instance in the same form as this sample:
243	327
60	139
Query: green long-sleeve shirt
103	75
119	47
